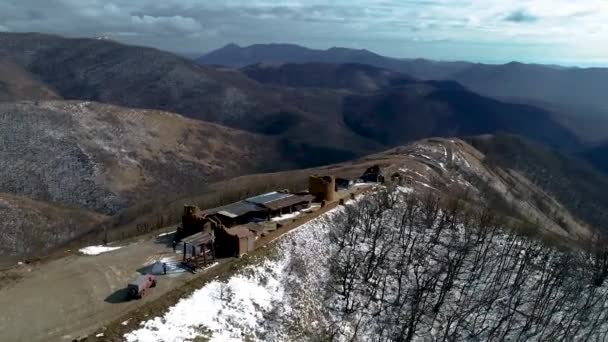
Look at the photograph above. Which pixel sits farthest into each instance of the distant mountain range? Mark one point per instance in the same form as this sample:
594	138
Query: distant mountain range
234	55
567	87
109	72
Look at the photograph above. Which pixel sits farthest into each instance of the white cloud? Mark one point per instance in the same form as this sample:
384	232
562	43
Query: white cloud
173	23
575	28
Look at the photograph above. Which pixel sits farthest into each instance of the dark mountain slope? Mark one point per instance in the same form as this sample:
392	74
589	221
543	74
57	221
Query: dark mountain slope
598	157
573	182
320	124
105	71
403	109
446	109
571	86
234	55
356	77
575	86
577	92
587	122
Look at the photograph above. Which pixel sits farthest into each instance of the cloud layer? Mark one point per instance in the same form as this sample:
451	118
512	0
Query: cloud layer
448	29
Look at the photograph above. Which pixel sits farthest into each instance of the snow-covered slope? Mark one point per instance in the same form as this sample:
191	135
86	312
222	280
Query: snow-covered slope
453	167
437	258
394	267
257	303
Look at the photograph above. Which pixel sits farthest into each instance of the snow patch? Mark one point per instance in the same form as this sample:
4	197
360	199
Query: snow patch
165	234
228	310
405	189
95	250
286	216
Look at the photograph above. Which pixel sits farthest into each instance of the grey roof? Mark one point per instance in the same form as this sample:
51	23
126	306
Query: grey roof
288	201
238	209
269	197
199	238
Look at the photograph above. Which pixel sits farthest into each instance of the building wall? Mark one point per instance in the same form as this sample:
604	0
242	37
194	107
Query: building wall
323	188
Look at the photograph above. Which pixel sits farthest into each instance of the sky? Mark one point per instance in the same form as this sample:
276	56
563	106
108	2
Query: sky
571	32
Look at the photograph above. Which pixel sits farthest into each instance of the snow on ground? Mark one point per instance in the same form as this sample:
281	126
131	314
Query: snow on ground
286	216
95	250
425	185
239	308
405	189
165	234
421	175
229	310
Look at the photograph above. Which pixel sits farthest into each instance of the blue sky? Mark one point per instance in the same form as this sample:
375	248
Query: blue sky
544	31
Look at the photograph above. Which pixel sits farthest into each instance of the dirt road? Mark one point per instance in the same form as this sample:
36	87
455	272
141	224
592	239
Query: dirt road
71	297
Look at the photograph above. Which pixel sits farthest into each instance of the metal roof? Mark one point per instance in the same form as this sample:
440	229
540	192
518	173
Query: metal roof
199	238
288	201
268	197
239	231
238	209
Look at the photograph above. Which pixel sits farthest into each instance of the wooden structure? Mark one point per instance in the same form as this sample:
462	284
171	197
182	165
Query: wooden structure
236	241
322	188
199	250
220	221
194	221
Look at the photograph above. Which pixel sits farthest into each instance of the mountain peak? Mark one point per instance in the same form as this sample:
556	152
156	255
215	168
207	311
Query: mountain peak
231	45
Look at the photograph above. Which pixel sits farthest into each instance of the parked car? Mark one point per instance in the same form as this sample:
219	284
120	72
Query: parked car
141	285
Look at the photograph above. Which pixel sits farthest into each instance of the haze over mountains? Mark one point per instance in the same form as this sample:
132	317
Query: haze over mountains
570	88
97	127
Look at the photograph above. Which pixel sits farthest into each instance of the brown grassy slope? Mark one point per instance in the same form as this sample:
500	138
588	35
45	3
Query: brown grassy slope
17	83
107	158
29	226
450	167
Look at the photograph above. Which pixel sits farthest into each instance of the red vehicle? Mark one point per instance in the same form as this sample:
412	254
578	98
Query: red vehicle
140	286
